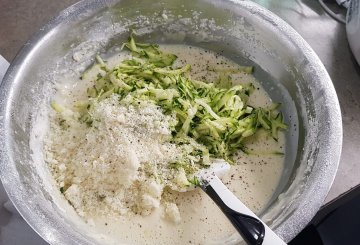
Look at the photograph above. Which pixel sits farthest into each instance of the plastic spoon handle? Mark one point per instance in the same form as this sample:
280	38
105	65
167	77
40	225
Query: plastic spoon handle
251	228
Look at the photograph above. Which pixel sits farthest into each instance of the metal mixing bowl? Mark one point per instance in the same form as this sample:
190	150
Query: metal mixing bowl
243	31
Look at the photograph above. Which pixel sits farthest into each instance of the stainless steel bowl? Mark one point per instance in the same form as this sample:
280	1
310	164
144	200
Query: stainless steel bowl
245	32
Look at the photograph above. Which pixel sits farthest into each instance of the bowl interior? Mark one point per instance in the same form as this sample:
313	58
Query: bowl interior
242	31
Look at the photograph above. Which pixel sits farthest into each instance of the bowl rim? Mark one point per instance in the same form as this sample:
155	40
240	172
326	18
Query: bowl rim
318	189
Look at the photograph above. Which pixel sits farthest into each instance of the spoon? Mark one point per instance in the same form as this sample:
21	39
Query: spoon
250	227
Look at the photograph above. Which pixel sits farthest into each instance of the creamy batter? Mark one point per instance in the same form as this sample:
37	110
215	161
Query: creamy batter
253	178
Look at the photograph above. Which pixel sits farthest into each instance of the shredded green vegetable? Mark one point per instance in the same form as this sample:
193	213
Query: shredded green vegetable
212	116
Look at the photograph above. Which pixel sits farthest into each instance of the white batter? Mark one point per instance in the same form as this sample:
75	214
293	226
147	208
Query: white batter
253	178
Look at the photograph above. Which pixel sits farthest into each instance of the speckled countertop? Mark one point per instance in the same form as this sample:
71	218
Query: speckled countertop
19	19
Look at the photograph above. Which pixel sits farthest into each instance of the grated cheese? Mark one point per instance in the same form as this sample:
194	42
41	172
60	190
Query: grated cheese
120	164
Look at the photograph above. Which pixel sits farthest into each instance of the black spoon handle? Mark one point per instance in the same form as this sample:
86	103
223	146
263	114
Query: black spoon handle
250	227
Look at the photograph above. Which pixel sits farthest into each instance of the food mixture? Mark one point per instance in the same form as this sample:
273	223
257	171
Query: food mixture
127	139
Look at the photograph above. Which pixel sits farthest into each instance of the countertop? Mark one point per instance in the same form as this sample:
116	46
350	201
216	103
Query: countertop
20	19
